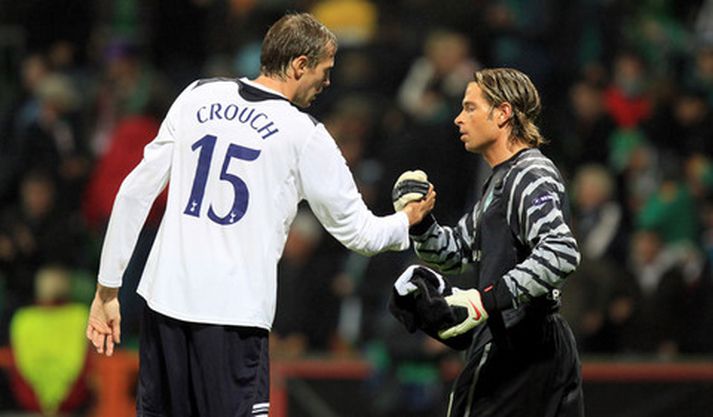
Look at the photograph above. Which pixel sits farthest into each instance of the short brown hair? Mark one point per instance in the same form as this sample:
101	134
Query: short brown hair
295	34
500	85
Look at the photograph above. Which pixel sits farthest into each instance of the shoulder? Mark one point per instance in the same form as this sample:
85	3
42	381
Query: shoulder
205	89
533	179
529	166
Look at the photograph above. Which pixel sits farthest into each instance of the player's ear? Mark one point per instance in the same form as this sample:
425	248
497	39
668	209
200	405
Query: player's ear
505	113
299	65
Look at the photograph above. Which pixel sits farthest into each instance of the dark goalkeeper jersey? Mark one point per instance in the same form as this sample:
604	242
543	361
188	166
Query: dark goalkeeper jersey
517	238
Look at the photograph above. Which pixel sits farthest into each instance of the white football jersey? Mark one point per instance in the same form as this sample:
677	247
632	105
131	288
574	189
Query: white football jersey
239	158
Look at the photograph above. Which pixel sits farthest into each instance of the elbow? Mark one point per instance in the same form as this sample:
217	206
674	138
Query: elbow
355	242
568	266
364	247
577	256
578	259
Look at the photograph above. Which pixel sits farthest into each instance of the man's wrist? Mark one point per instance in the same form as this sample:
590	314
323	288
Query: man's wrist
422	227
106	293
496	297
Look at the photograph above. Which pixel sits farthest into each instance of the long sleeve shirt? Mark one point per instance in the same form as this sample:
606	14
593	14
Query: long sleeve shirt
516	236
239	158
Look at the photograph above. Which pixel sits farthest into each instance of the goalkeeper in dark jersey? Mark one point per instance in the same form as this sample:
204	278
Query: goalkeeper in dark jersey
522	358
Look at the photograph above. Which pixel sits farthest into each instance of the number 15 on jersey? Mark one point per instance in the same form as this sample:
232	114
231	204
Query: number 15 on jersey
240	190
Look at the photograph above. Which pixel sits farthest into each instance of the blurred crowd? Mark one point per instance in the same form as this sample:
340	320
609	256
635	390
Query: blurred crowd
627	88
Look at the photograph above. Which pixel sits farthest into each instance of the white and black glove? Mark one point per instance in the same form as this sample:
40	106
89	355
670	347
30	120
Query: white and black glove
472	302
404	285
410	186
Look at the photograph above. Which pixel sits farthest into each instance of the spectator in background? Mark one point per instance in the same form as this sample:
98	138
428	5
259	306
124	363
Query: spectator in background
671	211
24	113
295	332
435	81
586	128
125	150
63	58
693	124
703	26
626	98
656	31
34	69
37	231
521	35
599	220
129	86
682	125
637	166
50	355
699	72
351	123
53	141
602	231
657	316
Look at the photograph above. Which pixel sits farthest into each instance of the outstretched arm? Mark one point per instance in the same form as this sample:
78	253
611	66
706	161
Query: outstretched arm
104	325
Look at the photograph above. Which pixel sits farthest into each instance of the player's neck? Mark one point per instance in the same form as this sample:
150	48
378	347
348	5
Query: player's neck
286	87
502	150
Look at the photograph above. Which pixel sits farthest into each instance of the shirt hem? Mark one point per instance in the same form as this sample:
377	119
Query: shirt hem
157	307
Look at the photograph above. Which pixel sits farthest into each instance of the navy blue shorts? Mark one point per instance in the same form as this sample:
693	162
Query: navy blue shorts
201	370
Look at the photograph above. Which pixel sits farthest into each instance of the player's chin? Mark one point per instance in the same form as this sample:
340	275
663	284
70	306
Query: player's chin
469	147
306	102
303	104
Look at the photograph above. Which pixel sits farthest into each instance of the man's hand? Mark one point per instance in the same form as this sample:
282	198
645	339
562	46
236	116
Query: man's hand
470	300
417	210
410	186
104	326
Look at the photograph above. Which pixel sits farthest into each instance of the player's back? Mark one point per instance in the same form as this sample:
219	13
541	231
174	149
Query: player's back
233	192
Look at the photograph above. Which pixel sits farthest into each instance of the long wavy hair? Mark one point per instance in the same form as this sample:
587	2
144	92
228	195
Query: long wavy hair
500	85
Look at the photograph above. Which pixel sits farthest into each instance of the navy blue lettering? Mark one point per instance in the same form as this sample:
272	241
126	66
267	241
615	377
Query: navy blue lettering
243	117
215	111
270	132
252	122
198	115
231	108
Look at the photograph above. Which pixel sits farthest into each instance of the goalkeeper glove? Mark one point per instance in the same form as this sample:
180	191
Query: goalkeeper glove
471	301
410	186
404	284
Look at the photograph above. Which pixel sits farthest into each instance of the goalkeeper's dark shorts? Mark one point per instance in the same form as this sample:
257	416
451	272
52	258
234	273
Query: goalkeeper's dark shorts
191	369
536	373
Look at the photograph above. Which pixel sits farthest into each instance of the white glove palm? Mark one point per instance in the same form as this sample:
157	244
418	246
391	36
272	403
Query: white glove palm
469	299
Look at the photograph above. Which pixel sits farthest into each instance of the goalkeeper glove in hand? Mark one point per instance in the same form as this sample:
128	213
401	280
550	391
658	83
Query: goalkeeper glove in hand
404	285
410	186
471	301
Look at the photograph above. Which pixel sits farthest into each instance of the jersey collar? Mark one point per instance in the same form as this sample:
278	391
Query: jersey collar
252	91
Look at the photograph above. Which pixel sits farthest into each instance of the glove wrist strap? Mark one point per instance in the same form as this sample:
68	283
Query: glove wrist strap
421	228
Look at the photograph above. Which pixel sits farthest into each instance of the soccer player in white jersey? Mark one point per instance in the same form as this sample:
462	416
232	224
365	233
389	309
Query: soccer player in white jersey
239	155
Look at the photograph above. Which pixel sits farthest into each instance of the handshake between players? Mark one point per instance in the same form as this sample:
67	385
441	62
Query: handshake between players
413	186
